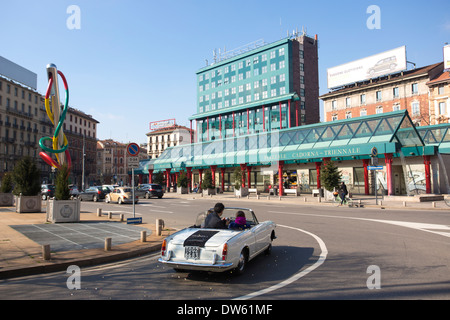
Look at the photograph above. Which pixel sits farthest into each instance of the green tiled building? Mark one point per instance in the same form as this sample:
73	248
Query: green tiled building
266	88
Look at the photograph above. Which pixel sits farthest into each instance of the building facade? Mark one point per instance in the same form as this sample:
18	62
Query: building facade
407	90
439	98
271	87
24	122
160	139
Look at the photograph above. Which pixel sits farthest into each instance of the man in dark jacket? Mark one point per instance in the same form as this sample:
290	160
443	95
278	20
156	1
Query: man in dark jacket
214	220
343	192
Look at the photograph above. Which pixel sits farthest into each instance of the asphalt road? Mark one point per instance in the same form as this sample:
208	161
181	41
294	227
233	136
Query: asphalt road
321	252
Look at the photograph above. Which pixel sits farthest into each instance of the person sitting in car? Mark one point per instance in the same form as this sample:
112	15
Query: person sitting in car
214	220
240	223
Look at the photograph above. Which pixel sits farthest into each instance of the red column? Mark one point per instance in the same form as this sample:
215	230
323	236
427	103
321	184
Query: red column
190	132
248	121
200	173
189	177
243	167
220	126
168	179
427	163
366	176
264	118
249	176
150	176
207	128
222	178
288	118
233	125
280	178
388	160
281	124
140	178
318	165
213	174
296	113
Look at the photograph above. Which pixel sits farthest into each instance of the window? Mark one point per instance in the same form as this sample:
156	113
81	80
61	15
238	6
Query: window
363	113
333	105
281	64
282	90
379	110
348	102
441	90
396	107
415	88
348	115
334	117
281	51
415	108
395	92
442	108
362	99
378	95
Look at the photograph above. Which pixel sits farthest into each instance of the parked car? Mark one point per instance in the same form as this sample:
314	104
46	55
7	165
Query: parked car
217	250
150	190
121	195
94	193
47	191
74	192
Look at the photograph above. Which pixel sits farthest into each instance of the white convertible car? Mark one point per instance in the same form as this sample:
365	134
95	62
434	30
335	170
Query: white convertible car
217	250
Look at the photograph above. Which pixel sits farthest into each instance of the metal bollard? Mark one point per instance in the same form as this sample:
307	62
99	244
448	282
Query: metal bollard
121	217
110	215
143	236
99	212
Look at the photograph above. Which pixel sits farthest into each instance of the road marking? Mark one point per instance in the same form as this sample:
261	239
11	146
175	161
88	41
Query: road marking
298	275
427	227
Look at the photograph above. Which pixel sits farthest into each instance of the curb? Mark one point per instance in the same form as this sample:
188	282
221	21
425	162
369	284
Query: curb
102	258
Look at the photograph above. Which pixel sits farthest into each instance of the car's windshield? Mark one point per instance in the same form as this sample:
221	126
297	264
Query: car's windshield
228	213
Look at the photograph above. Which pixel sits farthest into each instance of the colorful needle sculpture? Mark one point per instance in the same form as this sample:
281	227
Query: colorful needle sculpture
57	116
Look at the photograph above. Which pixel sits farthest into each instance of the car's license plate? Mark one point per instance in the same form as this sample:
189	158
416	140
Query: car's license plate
192	253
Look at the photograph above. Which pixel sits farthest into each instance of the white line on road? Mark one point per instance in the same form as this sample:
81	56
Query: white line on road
298	275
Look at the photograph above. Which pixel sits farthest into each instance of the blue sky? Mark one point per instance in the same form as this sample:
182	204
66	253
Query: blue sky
133	62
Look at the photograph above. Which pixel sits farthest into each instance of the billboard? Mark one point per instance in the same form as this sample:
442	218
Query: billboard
15	72
447	57
155	125
381	64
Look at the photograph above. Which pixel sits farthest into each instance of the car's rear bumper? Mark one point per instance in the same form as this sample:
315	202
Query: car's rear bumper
217	267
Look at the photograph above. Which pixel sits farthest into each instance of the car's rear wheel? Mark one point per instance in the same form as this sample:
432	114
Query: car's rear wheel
242	264
95	199
119	201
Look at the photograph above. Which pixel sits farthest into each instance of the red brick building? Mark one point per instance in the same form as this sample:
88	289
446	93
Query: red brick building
404	90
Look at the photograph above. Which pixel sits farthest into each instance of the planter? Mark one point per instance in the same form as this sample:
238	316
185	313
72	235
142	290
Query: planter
59	211
242	192
6	199
28	204
182	190
209	191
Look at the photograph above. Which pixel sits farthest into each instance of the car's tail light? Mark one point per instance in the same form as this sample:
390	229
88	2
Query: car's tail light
224	252
164	248
98	191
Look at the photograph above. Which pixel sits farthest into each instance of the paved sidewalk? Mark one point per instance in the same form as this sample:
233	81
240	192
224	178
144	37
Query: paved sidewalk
20	256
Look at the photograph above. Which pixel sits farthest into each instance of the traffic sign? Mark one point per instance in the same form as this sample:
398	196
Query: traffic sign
134	220
374	168
133	162
133	150
374	152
